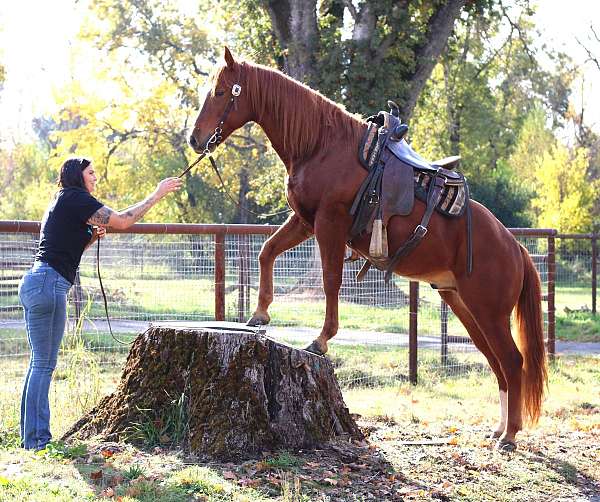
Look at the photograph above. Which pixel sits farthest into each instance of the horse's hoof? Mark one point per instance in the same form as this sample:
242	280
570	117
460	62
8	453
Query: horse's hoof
314	348
258	320
494	435
505	446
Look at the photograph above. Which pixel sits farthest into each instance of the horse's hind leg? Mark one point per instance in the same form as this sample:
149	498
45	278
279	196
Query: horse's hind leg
465	317
495	327
290	234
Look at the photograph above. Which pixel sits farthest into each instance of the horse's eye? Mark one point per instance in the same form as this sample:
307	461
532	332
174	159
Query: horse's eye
219	93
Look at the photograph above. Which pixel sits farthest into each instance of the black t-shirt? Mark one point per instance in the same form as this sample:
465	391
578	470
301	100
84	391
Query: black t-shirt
65	231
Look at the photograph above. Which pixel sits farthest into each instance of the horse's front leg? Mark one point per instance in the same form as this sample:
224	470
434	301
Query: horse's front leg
290	234
331	236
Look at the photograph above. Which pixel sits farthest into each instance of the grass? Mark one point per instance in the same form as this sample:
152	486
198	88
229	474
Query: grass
556	460
578	326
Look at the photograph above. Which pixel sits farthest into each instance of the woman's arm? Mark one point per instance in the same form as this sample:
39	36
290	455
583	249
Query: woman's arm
106	217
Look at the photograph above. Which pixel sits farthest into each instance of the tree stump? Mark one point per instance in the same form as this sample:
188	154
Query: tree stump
223	391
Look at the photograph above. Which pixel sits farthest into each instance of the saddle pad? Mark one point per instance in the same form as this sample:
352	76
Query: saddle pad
369	149
453	201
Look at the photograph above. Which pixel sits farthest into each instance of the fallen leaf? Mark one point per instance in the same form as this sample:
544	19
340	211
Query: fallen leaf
249	482
115	480
329	481
96	474
106	453
107	492
229	475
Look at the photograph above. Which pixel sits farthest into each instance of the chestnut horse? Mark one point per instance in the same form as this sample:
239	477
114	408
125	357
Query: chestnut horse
318	143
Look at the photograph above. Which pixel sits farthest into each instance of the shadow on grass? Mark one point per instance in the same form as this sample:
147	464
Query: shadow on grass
569	473
339	469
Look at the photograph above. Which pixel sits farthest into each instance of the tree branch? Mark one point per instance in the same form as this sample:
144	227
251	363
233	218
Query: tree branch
350	6
517	28
440	26
591	56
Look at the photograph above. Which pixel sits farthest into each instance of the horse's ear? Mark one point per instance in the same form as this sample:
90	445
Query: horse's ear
229	58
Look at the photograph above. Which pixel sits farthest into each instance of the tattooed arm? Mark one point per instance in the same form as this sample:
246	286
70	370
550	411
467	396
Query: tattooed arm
106	217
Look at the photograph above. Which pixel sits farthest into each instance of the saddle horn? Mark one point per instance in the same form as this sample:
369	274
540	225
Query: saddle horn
394	108
399	132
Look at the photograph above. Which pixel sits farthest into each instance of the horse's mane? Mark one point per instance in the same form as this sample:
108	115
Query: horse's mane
308	119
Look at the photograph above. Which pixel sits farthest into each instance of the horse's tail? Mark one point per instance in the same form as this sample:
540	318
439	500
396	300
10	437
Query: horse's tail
531	340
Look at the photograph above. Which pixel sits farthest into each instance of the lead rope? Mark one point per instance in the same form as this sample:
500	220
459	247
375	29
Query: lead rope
104	297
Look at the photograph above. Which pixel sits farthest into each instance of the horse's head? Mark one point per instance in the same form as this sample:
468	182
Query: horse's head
224	109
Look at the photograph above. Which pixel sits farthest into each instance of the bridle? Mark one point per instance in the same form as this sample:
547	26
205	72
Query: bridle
214	140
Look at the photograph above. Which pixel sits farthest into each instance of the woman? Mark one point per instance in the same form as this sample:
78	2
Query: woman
73	221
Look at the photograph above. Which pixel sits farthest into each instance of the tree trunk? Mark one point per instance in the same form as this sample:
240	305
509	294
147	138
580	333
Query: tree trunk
224	393
440	27
295	25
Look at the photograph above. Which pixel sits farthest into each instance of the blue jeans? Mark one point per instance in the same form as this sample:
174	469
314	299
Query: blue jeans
43	293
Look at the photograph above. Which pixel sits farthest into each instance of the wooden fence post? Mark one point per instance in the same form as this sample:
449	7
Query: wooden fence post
219	276
551	305
412	331
594	271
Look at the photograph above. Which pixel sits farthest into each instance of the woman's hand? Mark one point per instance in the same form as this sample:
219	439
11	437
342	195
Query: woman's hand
99	233
167	186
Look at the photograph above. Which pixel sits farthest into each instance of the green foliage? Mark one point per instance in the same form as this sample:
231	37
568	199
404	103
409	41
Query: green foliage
27	184
578	326
59	450
501	192
133	472
565	196
9	437
284	460
168	428
488	100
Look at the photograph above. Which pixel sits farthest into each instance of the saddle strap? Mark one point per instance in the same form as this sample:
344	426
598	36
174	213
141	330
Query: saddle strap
469	237
436	186
366	202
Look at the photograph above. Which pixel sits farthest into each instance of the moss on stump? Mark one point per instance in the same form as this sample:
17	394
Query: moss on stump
223	394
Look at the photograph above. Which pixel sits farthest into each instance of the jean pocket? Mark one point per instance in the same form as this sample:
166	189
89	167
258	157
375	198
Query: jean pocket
31	286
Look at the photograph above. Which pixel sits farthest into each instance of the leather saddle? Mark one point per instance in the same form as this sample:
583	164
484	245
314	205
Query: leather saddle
398	174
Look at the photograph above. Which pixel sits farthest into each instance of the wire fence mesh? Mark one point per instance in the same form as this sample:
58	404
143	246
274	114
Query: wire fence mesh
152	277
576	270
